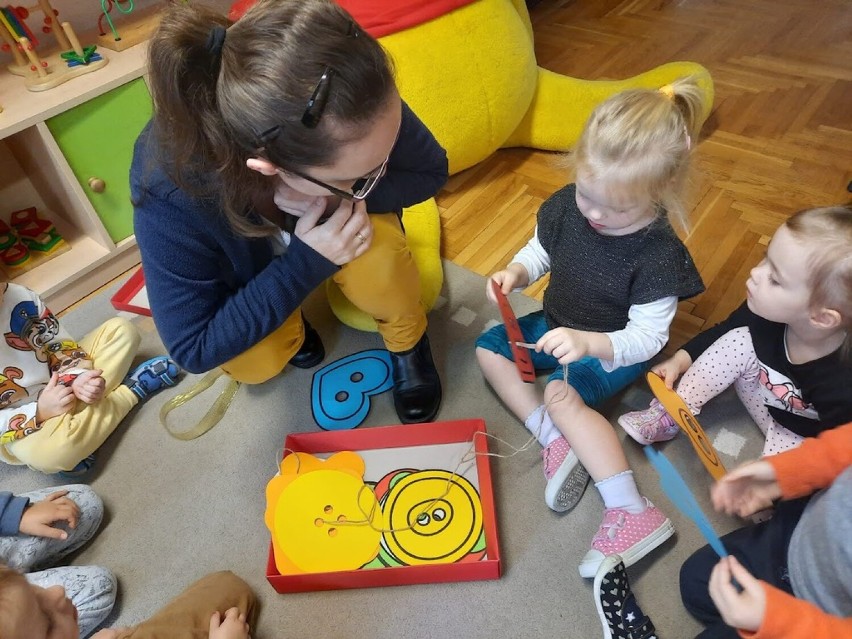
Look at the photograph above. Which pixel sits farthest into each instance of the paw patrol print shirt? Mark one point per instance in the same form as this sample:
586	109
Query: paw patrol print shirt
33	348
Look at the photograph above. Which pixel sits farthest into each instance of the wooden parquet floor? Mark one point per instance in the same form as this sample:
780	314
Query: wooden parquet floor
778	140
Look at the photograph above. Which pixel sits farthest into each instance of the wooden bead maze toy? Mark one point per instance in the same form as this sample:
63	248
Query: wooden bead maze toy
41	72
133	29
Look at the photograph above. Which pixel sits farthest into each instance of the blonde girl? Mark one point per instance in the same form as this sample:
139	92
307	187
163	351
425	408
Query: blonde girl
617	270
786	350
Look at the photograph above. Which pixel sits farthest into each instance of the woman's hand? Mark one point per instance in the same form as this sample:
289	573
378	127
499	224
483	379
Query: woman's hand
54	400
345	235
295	202
38	518
741	609
747	489
510	278
671	369
89	386
232	626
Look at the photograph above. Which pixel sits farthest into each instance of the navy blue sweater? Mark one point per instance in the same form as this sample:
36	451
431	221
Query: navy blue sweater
11	512
213	293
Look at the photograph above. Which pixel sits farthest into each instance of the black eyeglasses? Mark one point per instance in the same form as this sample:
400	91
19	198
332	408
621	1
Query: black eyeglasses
360	190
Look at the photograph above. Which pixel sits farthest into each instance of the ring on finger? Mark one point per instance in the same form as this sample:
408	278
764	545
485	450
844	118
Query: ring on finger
360	236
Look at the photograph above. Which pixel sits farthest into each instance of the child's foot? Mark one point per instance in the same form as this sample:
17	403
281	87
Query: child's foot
621	617
630	535
82	467
152	375
651	425
565	475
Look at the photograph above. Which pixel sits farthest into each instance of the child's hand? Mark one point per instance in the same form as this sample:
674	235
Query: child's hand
38	517
565	344
232	626
673	367
89	386
510	278
743	610
54	400
747	489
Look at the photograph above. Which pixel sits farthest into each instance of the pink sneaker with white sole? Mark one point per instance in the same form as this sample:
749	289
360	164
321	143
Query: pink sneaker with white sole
630	535
565	475
651	425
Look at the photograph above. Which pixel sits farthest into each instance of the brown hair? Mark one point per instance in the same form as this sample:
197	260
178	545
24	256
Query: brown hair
830	229
641	138
212	104
10	579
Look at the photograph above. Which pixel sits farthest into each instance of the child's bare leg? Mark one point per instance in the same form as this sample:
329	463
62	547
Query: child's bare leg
631	525
518	396
591	436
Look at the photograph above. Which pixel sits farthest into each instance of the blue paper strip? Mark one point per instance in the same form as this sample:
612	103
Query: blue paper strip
677	490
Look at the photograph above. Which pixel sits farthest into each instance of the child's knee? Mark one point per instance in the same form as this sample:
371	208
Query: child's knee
90	504
485	357
560	397
122	328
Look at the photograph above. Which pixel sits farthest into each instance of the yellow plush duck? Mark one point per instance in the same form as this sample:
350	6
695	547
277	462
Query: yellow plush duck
468	69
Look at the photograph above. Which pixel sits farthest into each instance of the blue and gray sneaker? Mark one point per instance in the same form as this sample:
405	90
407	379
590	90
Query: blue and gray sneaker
151	376
621	617
82	467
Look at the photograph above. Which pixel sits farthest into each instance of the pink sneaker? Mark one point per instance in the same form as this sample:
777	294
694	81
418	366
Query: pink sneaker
565	475
631	536
651	425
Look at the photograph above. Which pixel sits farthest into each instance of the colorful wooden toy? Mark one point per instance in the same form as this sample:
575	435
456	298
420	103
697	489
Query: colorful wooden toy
45	72
13	252
36	232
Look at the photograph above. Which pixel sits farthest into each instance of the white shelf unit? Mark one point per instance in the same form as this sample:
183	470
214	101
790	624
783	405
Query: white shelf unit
35	172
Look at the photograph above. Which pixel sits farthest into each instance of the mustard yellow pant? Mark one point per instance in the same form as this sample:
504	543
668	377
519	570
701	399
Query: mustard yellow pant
64	441
383	282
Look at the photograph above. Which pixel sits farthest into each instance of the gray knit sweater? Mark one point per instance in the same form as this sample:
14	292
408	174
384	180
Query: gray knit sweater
819	558
595	278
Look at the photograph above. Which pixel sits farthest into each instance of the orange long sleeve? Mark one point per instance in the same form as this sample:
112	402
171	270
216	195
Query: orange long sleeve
789	618
814	464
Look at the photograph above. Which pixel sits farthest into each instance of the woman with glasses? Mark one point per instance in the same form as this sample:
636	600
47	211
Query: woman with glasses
280	154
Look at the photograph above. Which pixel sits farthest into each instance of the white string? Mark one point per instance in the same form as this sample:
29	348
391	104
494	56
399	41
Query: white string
469	458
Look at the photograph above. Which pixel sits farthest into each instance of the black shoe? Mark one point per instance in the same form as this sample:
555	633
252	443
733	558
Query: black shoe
416	385
621	617
312	352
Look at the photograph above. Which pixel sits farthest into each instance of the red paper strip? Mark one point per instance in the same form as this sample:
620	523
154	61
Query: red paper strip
521	355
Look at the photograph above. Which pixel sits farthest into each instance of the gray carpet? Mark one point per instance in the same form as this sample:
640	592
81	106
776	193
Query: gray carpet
178	510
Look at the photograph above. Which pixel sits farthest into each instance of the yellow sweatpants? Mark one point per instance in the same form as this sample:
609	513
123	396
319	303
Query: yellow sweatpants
383	282
64	441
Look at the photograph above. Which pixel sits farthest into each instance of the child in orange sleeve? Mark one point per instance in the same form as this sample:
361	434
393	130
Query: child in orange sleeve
794	568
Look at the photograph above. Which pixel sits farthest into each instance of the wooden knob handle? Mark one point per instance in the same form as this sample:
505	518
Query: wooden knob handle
97	184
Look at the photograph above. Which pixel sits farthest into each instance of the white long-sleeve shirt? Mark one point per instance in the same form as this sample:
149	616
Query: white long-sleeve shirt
647	329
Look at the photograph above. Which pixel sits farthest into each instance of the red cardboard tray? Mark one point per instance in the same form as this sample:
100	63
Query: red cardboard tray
123	298
397	437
